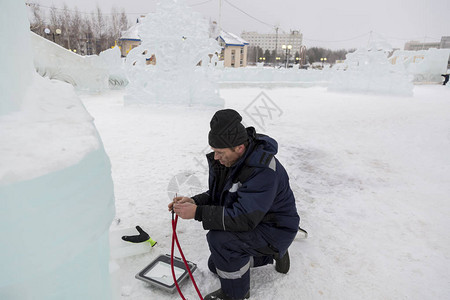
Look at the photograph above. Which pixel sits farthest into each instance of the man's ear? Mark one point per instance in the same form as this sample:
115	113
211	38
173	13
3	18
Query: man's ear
241	149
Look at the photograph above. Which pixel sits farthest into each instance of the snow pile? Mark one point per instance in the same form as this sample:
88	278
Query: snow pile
424	65
86	73
56	189
178	49
368	70
275	77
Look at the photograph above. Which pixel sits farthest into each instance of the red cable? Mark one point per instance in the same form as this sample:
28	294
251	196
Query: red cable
186	264
175	239
174	225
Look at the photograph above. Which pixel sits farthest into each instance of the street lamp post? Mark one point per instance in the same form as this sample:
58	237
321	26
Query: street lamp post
323	59
89	44
57	31
287	49
302	55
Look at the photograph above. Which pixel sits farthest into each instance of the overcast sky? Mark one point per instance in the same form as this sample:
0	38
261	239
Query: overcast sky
327	23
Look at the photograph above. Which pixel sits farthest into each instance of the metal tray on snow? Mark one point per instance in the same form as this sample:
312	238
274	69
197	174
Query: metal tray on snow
159	273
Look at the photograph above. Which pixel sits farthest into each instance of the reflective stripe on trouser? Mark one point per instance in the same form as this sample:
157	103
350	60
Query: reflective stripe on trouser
230	259
236	274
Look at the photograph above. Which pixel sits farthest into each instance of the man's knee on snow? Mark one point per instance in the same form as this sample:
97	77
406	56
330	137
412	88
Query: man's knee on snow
211	265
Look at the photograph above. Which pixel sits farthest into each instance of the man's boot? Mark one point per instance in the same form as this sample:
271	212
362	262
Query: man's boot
220	295
282	264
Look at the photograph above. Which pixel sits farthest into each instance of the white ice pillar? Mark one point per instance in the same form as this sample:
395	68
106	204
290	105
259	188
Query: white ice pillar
16	59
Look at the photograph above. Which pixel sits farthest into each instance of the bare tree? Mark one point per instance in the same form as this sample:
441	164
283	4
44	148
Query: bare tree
124	24
266	56
87	33
99	27
64	20
273	56
75	29
316	53
115	24
37	24
54	19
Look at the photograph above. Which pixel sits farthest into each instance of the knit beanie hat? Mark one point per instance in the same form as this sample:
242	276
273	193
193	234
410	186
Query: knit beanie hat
226	129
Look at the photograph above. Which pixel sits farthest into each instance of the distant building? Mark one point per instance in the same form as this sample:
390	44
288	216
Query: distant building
130	38
274	41
445	42
416	45
234	50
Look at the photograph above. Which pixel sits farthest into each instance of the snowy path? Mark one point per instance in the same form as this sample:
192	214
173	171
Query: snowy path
371	175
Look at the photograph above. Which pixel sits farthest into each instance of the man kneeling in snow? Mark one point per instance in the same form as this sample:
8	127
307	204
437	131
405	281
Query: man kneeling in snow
249	208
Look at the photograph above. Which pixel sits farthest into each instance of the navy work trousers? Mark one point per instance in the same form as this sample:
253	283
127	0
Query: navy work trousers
232	255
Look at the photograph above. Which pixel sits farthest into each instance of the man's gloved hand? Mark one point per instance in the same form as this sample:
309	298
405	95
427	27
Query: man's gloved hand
140	238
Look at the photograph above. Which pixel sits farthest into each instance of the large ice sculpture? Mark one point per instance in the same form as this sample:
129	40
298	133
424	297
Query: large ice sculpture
424	65
178	38
115	66
56	191
368	70
13	44
86	73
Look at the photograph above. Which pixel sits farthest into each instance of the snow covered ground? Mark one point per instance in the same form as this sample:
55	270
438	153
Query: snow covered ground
371	175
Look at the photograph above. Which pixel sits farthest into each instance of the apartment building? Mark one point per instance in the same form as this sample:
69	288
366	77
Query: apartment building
445	42
416	45
234	50
272	41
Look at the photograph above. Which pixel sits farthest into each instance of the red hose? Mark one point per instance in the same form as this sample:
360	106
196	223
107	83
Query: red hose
174	225
175	239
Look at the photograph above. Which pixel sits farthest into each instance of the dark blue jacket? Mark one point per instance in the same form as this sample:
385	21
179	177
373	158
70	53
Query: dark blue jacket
256	195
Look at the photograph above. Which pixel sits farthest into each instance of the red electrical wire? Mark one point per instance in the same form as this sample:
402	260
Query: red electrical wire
174	224
175	239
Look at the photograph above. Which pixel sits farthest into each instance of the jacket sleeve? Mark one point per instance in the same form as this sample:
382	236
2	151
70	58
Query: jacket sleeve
254	199
202	199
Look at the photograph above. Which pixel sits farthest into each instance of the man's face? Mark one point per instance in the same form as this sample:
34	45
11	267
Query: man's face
226	156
